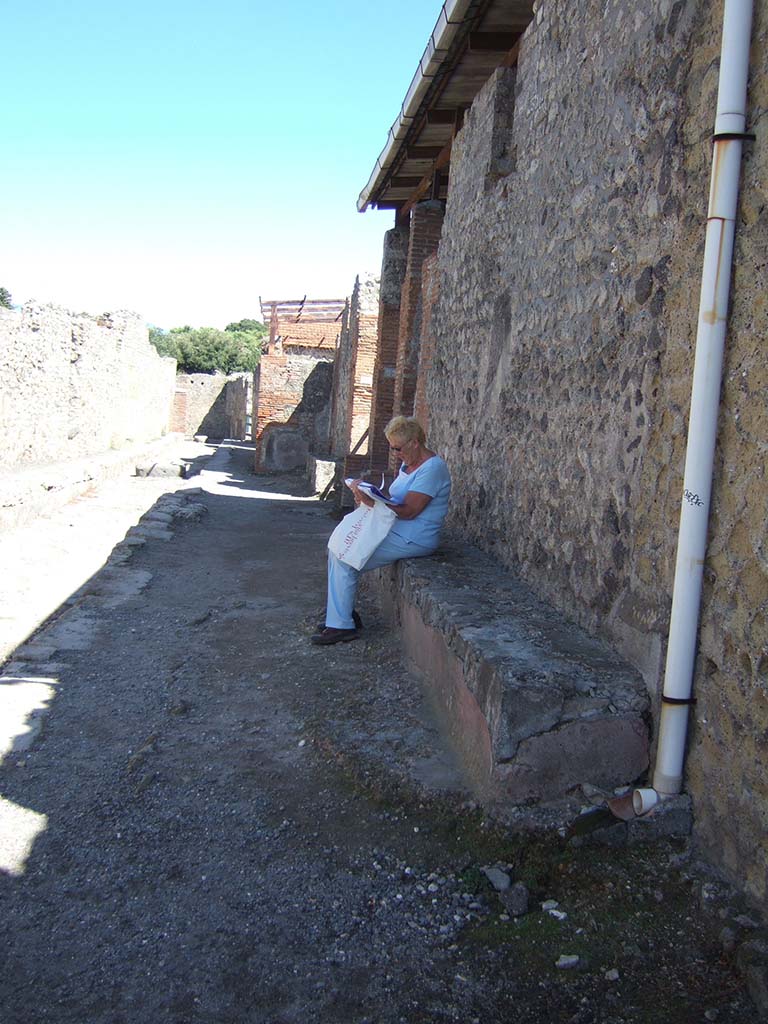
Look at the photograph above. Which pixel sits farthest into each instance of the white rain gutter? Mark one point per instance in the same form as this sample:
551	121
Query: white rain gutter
705	401
448	24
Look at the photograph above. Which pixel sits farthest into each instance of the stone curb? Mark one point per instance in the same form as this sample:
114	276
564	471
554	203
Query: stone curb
29	492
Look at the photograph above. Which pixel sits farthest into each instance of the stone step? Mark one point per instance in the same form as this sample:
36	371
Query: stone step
532	703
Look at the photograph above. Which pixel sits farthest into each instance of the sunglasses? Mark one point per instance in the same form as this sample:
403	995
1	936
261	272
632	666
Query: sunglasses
398	448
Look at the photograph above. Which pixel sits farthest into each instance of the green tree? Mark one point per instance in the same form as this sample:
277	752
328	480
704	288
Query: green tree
207	349
247	326
156	336
5	299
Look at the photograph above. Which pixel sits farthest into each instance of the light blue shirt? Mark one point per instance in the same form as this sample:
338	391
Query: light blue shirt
432	478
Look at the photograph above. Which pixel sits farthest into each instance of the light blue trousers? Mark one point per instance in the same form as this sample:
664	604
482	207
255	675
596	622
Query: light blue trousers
342	578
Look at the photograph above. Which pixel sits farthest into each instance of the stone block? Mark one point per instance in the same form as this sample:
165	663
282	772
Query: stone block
320	473
151	533
602	748
172	468
669	818
533	704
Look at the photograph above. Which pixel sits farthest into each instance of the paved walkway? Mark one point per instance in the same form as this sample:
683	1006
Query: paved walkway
206	819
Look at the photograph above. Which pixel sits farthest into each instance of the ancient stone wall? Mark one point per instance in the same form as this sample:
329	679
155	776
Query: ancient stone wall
365	307
74	385
341	388
308	334
569	273
212	404
292	391
353	370
293	414
239	399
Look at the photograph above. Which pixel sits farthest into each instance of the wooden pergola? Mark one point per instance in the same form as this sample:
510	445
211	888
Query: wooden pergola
280	315
296	310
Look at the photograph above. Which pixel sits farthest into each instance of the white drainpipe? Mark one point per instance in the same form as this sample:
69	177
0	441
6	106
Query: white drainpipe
705	401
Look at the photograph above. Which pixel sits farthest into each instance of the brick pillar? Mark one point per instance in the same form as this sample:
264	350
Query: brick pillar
339	423
392	276
424	238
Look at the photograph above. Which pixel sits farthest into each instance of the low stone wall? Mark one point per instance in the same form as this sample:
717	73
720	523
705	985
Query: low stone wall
533	705
74	384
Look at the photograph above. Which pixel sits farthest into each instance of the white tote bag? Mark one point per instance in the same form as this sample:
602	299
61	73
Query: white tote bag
359	534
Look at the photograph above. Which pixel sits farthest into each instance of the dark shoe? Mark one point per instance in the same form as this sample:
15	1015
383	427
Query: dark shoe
328	635
355	618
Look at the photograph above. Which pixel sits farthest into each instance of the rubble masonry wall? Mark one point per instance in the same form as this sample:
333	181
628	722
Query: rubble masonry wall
569	273
292	393
294	401
74	385
210	403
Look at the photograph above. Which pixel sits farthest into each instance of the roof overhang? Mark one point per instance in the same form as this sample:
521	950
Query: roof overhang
470	40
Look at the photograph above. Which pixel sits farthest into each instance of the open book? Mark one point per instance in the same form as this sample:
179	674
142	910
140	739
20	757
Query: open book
373	491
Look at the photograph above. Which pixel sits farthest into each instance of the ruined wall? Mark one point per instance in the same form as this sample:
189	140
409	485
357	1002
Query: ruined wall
74	385
365	311
569	276
293	411
239	399
341	388
308	334
353	369
210	403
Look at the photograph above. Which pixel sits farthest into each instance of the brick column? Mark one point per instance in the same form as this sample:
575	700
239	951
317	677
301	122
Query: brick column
392	275
424	238
430	290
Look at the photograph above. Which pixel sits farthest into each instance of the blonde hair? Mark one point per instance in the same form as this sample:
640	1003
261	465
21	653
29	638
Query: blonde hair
407	428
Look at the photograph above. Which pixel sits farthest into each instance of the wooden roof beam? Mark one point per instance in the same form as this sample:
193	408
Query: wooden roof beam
444	116
427	184
310	303
423	152
492	42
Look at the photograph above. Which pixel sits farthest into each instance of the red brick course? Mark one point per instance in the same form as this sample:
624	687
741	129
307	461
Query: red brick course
430	292
384	383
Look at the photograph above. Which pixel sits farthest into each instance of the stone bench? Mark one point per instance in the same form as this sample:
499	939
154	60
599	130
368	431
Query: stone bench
533	705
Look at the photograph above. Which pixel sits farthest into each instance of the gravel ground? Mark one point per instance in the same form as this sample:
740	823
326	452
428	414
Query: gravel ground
227	824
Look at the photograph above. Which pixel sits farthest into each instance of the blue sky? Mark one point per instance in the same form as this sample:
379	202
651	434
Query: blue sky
181	159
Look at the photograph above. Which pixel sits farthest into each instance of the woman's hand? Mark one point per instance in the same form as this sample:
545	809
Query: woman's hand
360	497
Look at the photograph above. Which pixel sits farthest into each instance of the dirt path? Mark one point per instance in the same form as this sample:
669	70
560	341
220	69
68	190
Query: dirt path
221	823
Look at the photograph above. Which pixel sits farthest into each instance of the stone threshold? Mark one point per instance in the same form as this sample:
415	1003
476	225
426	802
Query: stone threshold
533	705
